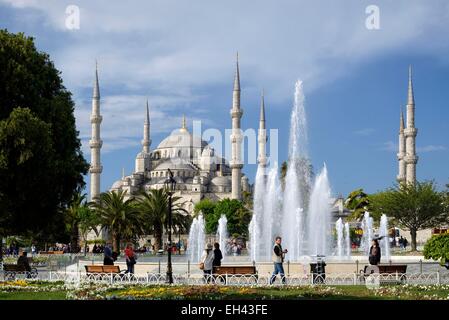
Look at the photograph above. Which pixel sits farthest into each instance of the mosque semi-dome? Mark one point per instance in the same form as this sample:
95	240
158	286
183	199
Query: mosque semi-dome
222	181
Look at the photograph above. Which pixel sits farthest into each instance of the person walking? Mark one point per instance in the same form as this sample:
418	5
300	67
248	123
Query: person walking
374	253
23	262
218	256
108	259
405	243
130	257
278	259
206	262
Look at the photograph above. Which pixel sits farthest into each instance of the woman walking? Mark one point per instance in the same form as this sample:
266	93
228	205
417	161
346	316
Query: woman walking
206	262
130	257
218	256
374	253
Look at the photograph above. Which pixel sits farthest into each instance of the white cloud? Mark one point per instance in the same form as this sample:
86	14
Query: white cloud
172	50
393	147
389	146
364	132
430	148
123	118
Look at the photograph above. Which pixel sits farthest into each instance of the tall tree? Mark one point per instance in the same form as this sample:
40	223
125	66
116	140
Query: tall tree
414	207
153	205
26	154
30	80
119	216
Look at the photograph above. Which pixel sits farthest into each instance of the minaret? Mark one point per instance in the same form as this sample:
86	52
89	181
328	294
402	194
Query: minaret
401	153
146	142
236	137
262	136
410	133
143	157
95	142
183	124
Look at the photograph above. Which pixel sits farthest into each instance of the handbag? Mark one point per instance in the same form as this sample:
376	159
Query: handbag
132	260
201	265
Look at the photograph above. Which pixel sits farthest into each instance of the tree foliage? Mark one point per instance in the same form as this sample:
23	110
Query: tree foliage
26	154
153	206
236	213
437	248
119	216
358	202
413	207
41	162
207	208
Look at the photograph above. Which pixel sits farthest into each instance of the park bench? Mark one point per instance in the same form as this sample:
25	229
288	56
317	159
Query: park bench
235	271
398	270
51	252
102	269
11	270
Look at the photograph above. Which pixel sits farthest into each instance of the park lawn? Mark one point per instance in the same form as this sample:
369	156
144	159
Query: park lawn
53	295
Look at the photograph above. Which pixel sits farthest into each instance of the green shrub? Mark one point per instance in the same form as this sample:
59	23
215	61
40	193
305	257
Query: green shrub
437	248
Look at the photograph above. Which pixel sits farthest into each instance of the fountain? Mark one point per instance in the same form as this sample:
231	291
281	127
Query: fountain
273	202
197	239
298	213
340	241
222	233
367	227
257	220
319	226
347	240
385	241
293	201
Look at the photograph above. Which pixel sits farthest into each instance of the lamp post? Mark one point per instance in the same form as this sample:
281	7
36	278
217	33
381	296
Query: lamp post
170	187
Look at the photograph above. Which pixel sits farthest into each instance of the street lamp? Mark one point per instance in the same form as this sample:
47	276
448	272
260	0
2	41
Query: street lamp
170	187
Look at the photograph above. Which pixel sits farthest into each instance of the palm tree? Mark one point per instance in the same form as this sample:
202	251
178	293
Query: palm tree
73	217
359	202
154	207
89	221
119	216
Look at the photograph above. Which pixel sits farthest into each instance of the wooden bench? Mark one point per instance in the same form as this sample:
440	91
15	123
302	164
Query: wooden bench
235	270
398	269
11	270
51	252
102	269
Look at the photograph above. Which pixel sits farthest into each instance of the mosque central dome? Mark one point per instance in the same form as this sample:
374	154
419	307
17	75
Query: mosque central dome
182	138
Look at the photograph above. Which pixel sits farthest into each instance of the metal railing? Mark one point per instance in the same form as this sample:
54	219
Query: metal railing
430	278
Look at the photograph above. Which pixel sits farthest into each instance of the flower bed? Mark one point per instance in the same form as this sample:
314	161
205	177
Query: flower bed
31	286
128	291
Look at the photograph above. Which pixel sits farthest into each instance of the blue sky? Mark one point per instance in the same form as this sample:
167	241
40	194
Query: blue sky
181	55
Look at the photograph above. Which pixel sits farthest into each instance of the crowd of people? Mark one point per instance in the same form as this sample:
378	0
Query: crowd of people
14	249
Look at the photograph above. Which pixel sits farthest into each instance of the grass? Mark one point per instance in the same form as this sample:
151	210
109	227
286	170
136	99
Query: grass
54	295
